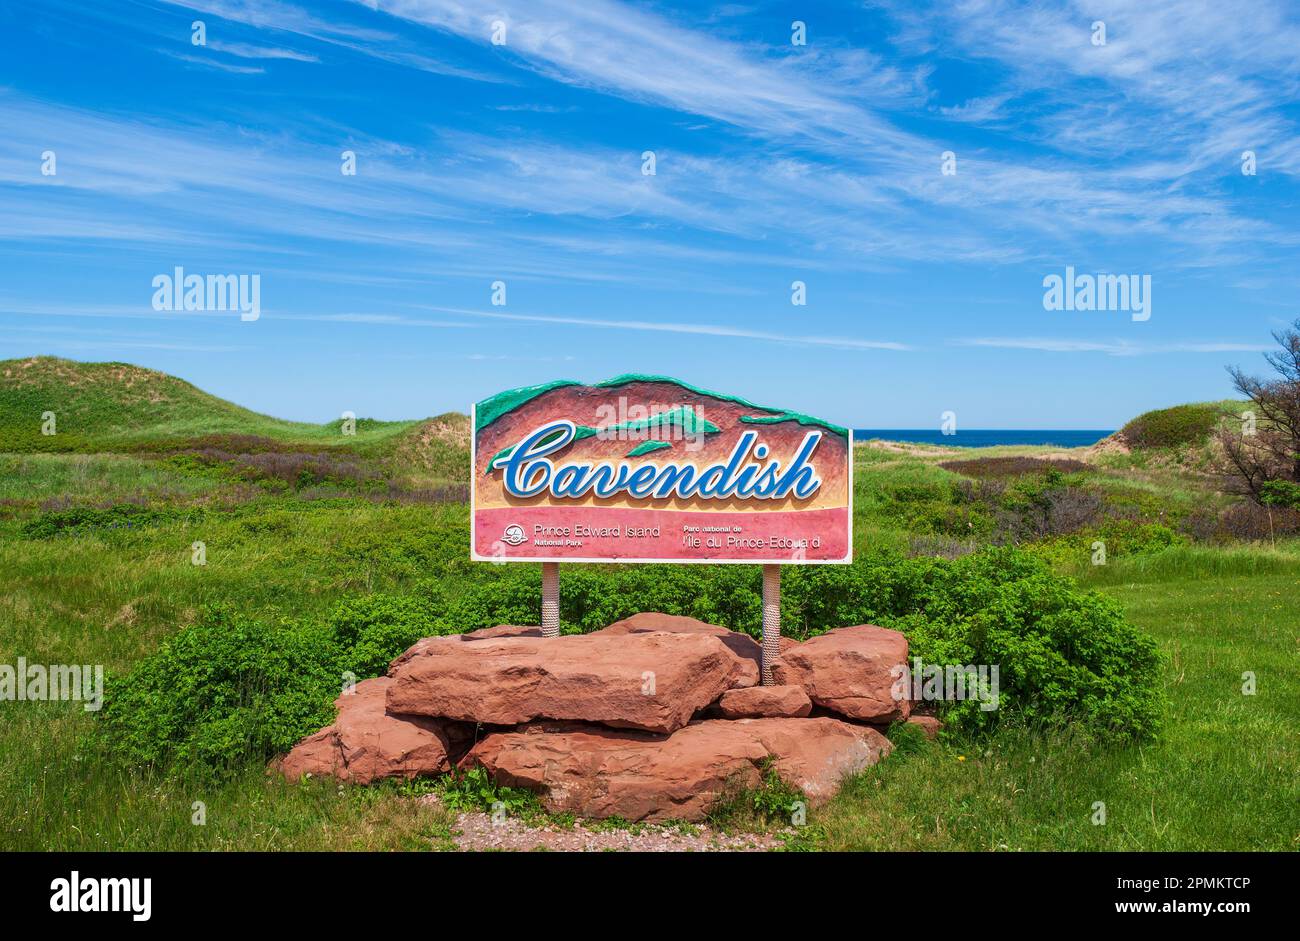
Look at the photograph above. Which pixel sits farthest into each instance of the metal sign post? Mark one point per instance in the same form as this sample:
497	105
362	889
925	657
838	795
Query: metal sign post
771	619
550	599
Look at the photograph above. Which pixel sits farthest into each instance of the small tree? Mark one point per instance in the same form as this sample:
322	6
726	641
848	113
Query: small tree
1262	457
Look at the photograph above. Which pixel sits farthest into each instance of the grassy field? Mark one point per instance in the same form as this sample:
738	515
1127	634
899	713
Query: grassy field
105	588
1222	776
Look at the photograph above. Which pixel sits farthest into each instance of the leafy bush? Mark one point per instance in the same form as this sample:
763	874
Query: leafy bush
729	595
231	689
1064	656
373	629
1171	427
93	519
1012	509
939	509
222	691
1121	537
1133	537
513	597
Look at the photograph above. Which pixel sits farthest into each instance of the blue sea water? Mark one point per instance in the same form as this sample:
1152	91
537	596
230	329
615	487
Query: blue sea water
985	437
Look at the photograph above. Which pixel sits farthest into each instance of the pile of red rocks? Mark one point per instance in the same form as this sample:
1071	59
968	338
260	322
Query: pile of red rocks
652	718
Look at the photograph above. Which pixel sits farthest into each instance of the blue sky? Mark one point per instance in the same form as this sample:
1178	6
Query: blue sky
774	162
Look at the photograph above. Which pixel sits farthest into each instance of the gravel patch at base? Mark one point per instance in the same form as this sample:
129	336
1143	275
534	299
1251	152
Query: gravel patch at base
477	831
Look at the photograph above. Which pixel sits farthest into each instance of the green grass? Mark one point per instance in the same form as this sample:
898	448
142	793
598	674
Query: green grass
29	480
1222	775
111	598
58	798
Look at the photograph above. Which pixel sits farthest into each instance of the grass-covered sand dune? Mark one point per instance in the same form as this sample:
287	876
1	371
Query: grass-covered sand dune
106	410
120	407
96	533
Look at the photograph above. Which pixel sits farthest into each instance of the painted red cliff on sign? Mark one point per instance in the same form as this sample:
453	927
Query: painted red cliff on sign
650	469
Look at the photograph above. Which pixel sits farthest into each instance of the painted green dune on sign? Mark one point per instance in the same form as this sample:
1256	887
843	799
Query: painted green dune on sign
490	409
675	423
648	447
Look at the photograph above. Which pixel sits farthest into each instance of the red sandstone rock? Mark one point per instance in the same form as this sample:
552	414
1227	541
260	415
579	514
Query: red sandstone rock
742	645
927	724
759	702
502	630
365	743
648	621
599	772
652	681
484	633
847	670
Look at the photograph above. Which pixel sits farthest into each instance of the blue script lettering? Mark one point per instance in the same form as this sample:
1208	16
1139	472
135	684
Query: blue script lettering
527	471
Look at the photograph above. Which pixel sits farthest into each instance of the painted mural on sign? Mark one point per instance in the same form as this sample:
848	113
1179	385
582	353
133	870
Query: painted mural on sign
650	469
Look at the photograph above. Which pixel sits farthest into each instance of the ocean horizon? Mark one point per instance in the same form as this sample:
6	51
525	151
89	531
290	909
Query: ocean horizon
986	437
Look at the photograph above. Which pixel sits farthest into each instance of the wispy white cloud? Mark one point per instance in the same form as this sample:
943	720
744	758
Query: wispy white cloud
1110	348
978	110
209	63
278	16
634	53
1196	78
536	109
818	96
388	320
811	169
696	329
286	17
47	337
840	183
245	50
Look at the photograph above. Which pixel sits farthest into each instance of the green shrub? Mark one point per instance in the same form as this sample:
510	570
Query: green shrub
373	629
1171	427
223	691
1064	656
728	595
91	519
936	509
230	689
501	597
1121	537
